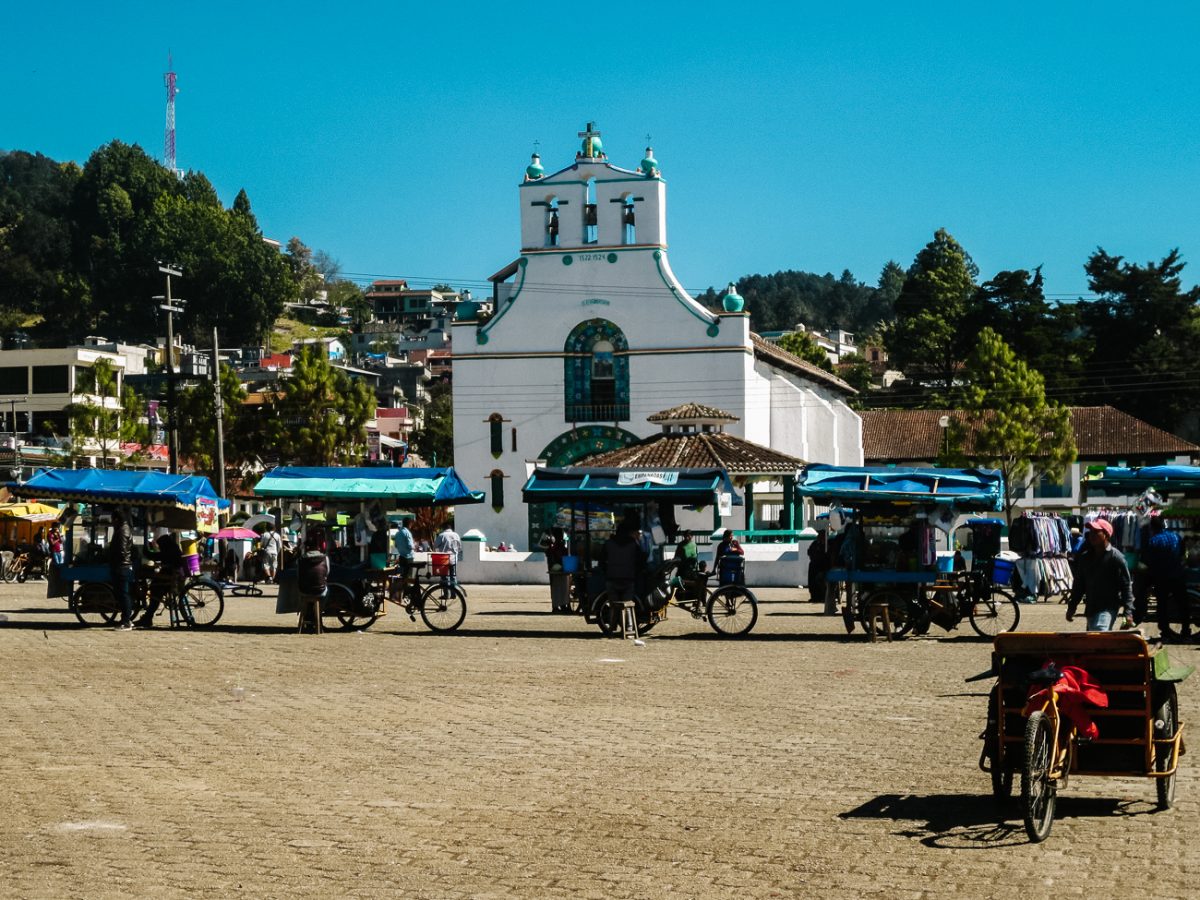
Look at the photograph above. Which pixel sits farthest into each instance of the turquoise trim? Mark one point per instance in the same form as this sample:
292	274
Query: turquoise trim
596	248
714	327
541	182
481	337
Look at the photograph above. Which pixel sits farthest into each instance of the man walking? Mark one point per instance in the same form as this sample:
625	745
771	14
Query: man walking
450	543
1101	580
1163	557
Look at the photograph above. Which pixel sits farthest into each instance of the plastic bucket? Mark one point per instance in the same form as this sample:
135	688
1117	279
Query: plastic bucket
945	563
1002	571
439	563
570	564
193	564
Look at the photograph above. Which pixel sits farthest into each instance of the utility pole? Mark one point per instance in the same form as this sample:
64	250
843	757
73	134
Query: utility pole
219	406
171	309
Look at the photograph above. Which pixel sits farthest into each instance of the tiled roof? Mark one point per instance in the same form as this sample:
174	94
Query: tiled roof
1101	432
790	362
702	449
689	411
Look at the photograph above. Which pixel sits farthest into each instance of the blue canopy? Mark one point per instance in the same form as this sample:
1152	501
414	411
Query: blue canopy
696	487
120	487
407	487
965	489
1120	481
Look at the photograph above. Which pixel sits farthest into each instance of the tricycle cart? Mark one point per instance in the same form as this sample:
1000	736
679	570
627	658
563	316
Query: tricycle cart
887	566
161	500
1045	725
357	588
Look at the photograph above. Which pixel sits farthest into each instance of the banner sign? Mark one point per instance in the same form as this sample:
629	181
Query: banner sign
206	515
626	479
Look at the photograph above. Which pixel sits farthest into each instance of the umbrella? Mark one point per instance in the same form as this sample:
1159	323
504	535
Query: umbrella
236	534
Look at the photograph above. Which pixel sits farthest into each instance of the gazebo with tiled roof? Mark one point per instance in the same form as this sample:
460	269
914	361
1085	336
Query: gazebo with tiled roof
694	436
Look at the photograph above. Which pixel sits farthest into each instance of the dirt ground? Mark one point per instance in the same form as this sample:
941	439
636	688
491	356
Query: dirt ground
527	756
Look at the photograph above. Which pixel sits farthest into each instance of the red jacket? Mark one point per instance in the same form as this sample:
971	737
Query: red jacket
1076	691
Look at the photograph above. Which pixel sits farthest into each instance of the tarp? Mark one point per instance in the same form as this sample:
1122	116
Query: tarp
33	512
120	487
1120	481
407	487
964	489
695	487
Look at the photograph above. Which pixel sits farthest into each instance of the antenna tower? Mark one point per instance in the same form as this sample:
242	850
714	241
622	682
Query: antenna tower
169	142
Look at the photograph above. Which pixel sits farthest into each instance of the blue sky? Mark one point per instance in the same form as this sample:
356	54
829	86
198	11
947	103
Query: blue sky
792	136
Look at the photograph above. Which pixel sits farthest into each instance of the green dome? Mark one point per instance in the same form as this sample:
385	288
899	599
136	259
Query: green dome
592	147
649	164
466	310
732	301
534	169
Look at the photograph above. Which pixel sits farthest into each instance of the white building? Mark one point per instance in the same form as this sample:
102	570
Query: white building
592	332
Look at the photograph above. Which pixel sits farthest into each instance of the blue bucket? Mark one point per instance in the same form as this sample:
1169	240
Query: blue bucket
945	563
1002	571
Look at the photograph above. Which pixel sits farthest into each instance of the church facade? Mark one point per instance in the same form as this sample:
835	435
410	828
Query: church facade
591	333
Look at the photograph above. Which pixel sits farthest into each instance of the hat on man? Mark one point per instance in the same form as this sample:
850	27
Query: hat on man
1100	525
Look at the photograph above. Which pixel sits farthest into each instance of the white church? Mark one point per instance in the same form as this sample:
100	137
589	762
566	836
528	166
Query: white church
591	333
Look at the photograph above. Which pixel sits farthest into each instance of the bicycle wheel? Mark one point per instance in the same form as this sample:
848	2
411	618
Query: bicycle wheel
355	615
443	613
1166	722
605	614
996	614
95	603
202	604
901	611
731	610
1038	793
9	573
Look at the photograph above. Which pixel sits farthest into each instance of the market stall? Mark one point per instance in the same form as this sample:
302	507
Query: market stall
152	500
889	540
357	501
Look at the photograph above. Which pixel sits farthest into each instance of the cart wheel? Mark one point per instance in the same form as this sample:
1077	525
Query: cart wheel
352	614
95	604
604	615
203	604
443	613
998	613
731	610
901	610
1166	722
1038	793
1002	776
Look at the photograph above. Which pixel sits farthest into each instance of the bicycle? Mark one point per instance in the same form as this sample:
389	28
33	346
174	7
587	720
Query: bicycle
991	610
442	609
196	602
25	564
731	609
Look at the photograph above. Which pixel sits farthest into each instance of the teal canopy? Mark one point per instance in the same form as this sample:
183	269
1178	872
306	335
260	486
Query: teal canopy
964	489
1120	481
405	487
697	487
120	487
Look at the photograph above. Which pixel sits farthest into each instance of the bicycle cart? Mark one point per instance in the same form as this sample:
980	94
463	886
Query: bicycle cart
1046	693
158	500
888	567
357	592
586	494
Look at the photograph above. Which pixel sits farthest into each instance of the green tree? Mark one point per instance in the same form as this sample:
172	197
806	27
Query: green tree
320	418
435	440
855	371
1146	328
305	275
804	345
108	418
928	341
1005	421
198	428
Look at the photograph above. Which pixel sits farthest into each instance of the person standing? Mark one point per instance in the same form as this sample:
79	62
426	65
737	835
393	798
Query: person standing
403	544
1102	581
56	545
450	543
623	560
120	564
272	545
1164	559
312	580
168	577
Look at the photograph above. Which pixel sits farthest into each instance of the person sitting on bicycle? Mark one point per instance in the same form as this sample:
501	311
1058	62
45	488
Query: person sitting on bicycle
313	576
168	577
623	561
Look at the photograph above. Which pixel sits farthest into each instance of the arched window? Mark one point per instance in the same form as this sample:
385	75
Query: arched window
496	433
497	479
552	222
590	235
596	373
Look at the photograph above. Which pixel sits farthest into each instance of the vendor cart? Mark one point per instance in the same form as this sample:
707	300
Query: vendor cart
358	585
1091	703
885	525
153	500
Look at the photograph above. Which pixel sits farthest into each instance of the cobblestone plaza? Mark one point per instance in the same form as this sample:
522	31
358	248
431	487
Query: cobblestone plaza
527	756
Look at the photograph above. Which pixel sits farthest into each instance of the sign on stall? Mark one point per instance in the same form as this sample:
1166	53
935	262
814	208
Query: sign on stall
725	504
626	479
